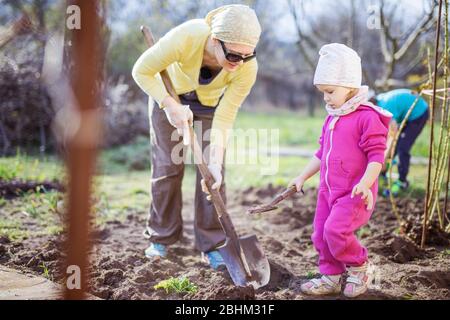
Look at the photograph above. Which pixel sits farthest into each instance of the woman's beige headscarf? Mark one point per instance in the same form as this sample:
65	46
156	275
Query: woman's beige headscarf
235	23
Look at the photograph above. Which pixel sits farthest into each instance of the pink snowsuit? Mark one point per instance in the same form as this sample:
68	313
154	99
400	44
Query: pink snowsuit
345	151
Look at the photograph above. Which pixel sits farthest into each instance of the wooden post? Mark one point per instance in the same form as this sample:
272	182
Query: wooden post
82	147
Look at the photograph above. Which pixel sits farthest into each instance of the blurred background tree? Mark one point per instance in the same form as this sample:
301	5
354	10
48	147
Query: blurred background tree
390	35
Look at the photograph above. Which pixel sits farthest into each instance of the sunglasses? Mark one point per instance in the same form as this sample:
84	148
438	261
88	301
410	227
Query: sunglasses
233	57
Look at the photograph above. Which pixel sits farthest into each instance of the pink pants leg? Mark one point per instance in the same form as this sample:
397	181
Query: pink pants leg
335	222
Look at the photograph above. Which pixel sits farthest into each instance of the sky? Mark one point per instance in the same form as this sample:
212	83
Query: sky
285	28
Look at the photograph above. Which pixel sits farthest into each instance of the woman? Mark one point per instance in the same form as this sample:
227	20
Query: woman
212	65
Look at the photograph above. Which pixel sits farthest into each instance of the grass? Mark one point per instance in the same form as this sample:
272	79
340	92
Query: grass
421	146
45	271
177	285
295	129
53	230
122	183
120	194
12	229
445	253
264	169
408	296
41	208
30	168
282	171
131	157
299	130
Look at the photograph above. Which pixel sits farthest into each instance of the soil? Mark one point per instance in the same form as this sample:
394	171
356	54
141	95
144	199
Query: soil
119	269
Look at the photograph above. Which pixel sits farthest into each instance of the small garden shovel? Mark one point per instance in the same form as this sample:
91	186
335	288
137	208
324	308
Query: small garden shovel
272	205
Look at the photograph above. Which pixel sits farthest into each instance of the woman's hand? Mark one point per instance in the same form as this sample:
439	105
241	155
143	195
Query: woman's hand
367	196
179	116
216	172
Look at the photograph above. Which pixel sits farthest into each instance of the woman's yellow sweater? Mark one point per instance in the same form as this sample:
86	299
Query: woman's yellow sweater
180	51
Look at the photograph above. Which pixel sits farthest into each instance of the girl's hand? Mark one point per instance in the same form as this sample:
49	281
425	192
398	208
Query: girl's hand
367	195
298	182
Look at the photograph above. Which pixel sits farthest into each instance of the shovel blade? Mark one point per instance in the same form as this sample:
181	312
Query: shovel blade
256	260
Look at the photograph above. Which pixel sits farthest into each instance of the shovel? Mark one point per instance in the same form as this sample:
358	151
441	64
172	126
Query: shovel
271	206
243	256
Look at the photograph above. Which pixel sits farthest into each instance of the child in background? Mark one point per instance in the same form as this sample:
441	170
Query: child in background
398	103
349	159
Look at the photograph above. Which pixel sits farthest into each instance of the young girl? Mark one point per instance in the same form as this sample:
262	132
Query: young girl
350	158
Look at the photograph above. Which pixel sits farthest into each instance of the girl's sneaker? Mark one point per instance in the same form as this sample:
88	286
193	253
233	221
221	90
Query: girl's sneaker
322	286
358	280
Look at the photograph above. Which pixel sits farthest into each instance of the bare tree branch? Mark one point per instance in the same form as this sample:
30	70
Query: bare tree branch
394	48
384	35
308	41
414	63
20	26
293	8
426	23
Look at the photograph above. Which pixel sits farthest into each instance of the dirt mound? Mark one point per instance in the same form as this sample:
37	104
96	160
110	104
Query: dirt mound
399	249
4	240
119	269
280	277
218	286
435	235
432	279
39	259
403	250
296	212
254	196
411	211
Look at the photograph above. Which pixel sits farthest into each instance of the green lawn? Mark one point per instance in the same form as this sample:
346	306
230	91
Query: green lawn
128	165
122	183
29	167
295	129
298	130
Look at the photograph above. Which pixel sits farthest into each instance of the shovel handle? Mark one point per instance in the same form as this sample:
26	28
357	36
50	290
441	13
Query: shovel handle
216	198
150	40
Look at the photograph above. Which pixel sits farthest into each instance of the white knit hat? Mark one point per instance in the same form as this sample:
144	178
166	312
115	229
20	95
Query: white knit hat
338	65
